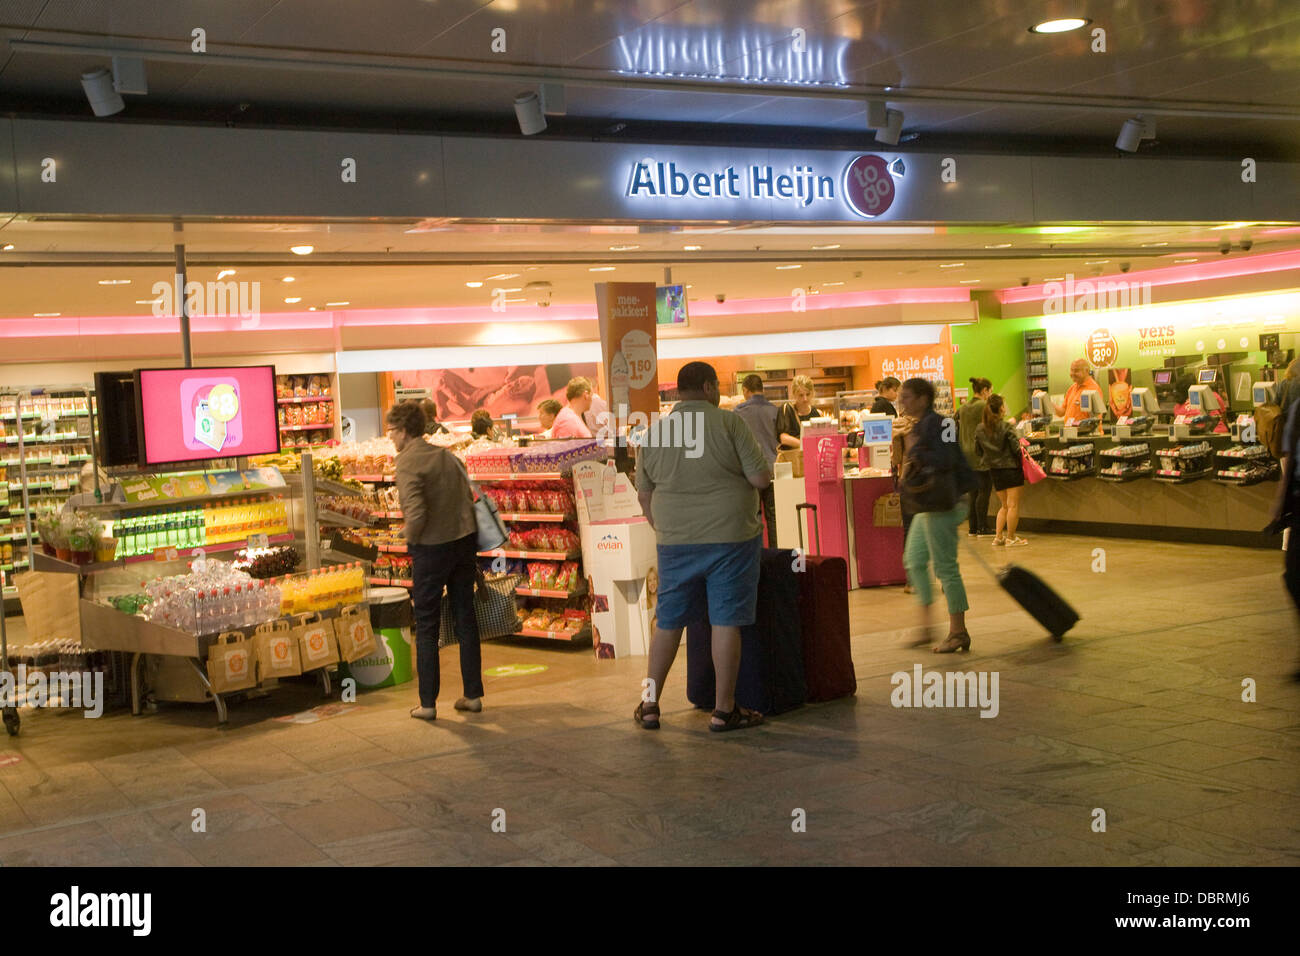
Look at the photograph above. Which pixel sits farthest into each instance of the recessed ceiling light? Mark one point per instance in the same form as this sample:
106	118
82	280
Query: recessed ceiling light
951	265
114	281
792	266
474	285
287	279
999	245
1097	262
1192	259
1055	279
830	245
623	248
601	269
503	275
1150	245
146	301
345	302
7	247
970	281
302	250
1064	25
46	315
225	272
311	308
1234	225
832	283
692	248
292	300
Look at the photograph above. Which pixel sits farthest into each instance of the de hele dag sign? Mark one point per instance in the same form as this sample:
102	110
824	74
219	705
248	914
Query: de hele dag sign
866	185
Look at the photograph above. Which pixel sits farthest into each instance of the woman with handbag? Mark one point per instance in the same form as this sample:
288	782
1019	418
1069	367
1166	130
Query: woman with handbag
998	447
935	482
442	536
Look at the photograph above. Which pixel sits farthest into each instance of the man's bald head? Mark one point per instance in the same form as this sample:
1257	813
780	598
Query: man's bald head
1078	371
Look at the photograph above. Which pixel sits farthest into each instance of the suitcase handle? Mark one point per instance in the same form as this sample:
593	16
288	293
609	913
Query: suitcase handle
816	527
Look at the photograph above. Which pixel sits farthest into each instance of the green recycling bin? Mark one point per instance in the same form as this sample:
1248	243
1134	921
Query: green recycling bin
390	664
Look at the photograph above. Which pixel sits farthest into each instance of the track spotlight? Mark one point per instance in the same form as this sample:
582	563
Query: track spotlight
528	110
1133	132
104	100
893	128
129	76
877	114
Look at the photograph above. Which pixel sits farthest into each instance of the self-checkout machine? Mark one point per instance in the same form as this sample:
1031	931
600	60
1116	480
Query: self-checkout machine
1130	458
619	556
1191	457
877	442
1090	424
1247	461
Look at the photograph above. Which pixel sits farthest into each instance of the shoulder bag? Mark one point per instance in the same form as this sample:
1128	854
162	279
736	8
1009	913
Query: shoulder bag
492	532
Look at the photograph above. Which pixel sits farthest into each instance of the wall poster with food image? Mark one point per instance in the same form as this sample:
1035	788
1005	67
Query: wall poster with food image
501	390
1121	391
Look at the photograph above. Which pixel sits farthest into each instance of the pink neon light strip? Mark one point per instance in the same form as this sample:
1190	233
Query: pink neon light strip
1172	275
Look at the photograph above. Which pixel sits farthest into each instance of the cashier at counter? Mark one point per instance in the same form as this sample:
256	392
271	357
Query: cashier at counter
789	421
1080	382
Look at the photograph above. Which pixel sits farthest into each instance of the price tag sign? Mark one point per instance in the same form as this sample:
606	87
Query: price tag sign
166	554
260	540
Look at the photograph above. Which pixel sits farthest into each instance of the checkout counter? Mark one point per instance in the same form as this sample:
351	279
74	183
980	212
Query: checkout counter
857	513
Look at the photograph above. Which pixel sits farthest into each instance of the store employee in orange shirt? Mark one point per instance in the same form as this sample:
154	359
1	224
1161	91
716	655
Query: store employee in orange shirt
1081	381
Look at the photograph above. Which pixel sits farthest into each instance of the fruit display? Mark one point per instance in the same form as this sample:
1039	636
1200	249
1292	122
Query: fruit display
262	563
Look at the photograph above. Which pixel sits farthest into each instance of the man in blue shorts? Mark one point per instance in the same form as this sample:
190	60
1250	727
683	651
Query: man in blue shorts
698	474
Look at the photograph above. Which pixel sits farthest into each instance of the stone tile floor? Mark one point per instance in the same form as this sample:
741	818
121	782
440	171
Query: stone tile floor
1139	713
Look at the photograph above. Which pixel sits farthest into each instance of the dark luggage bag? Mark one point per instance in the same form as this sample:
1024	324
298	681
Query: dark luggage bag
1033	594
771	678
824	621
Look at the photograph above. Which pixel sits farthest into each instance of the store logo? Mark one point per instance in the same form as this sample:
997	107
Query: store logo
609	543
953	689
1101	350
1089	295
869	185
82	690
243	299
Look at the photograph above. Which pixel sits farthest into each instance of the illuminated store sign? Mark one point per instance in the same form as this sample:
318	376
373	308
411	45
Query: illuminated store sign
748	55
866	185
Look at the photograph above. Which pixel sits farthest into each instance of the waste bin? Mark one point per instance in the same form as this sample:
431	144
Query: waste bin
390	664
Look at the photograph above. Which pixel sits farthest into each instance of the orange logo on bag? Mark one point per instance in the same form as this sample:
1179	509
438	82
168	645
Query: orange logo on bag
358	633
280	649
316	641
235	662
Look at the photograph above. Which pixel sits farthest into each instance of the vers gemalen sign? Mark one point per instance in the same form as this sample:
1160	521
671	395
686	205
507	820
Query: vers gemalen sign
867	184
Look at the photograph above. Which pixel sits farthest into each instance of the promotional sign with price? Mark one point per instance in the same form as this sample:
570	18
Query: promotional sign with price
1101	350
628	345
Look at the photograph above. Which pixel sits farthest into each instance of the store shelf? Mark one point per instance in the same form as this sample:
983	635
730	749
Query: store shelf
324	486
533	555
306	428
44	439
391	548
554	635
385	582
386	514
520	476
550	592
340	520
372	479
185	552
305	400
536	516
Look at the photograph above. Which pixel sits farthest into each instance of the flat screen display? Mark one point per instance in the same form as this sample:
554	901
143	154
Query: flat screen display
195	414
1085	403
119	436
1205	376
1163	378
1194	399
877	430
670	305
1040	405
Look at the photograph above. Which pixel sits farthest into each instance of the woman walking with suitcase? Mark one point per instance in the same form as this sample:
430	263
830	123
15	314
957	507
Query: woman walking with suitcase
936	480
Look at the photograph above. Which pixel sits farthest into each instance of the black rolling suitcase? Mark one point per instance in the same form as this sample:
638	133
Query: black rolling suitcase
771	678
1033	594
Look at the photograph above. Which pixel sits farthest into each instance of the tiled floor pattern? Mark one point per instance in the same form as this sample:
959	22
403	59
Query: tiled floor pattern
1138	713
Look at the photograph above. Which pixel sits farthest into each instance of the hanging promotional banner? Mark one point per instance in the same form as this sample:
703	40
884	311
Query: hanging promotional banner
629	347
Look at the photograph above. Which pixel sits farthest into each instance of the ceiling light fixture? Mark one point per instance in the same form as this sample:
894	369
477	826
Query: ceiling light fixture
893	128
793	266
501	276
1133	132
344	302
474	285
528	111
7	247
1185	261
1153	245
1097	262
1055	279
1064	25
999	245
46	315
832	245
287	279
601	269
103	99
302	250
114	281
692	248
623	248
951	265
311	308
225	272
970	281
147	301
293	300
832	283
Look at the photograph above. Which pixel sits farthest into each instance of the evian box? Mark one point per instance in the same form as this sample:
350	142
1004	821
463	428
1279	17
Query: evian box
620	552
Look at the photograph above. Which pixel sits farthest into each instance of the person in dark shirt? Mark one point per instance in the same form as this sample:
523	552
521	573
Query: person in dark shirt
884	403
760	415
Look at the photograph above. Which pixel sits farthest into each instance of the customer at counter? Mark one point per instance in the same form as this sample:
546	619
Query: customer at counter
546	413
885	403
997	446
969	417
569	423
760	415
796	411
481	425
431	424
1081	380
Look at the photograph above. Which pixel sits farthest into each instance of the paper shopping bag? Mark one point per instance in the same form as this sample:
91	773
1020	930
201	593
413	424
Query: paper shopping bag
887	511
276	650
355	636
230	663
316	645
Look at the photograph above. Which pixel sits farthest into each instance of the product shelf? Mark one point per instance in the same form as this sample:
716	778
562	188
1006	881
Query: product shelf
306	428
340	520
536	516
304	400
519	476
534	555
386	514
555	635
386	582
391	548
550	592
211	548
373	479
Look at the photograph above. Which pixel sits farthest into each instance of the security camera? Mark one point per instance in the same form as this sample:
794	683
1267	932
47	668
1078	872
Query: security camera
544	302
1025	281
1225	247
721	297
1246	244
1125	266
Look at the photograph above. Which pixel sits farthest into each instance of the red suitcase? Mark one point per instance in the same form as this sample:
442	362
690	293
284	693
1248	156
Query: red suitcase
824	613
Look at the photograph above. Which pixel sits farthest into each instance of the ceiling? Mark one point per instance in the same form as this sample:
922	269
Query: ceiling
56	266
1218	76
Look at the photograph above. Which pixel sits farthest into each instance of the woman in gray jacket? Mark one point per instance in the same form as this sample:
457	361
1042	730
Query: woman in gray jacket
998	449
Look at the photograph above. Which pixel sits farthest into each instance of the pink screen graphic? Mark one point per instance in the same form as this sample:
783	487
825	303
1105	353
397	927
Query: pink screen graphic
196	413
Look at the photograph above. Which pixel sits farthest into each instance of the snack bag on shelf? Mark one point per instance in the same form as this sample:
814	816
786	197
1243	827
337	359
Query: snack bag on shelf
575	619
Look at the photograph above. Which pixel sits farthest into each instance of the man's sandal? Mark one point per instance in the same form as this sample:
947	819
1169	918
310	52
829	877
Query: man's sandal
646	715
739	719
